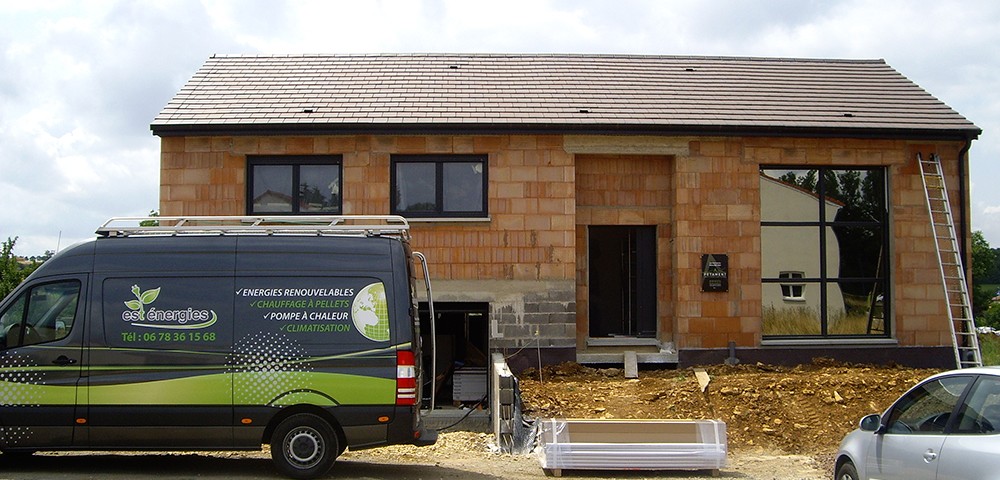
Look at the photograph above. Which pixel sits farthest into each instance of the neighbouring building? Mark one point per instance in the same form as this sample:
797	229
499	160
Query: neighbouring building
578	207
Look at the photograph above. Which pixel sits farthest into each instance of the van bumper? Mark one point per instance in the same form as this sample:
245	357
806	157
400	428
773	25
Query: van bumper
408	428
425	437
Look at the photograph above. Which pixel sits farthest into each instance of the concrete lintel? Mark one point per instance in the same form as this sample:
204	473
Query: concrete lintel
627	145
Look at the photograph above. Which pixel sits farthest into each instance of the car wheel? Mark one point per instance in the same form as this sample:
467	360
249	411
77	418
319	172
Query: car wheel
847	472
304	446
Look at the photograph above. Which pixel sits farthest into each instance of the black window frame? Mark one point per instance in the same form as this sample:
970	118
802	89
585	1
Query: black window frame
27	297
439	160
295	162
882	223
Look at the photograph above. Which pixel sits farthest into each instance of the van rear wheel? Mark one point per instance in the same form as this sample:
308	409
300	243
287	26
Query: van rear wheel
304	446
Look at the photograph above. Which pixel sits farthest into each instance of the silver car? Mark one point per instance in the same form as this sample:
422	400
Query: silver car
946	427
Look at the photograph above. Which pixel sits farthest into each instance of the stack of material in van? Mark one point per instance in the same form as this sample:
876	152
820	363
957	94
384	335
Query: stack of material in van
572	444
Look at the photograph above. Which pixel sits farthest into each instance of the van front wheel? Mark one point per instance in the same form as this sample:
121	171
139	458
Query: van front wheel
304	446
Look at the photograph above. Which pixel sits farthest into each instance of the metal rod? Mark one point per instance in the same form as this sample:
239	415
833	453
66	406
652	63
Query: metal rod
430	307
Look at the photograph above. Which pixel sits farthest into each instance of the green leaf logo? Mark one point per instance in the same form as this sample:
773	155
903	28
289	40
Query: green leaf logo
149	296
142	299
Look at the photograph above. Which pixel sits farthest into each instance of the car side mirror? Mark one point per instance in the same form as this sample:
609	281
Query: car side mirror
871	423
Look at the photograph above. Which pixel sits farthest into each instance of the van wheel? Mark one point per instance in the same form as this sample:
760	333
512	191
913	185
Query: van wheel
304	446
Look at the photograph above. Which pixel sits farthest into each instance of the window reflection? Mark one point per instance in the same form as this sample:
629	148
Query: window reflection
463	186
791	317
319	188
416	184
843	267
788	196
272	188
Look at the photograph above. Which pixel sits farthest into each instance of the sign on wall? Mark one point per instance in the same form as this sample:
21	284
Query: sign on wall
715	272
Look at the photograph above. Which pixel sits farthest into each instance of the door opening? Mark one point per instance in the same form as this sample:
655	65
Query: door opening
622	280
462	351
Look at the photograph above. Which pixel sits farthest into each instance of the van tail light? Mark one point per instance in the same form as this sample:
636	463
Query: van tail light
406	378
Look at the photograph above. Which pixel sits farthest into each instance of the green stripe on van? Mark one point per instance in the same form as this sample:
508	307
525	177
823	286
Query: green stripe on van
252	388
195	390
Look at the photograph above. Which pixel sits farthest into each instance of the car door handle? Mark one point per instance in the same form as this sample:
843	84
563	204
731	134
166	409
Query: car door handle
930	456
63	360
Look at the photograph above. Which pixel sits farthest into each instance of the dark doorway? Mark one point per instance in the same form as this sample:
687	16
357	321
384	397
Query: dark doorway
462	351
622	275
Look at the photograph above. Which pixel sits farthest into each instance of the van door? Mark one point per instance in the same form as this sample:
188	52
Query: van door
40	359
158	373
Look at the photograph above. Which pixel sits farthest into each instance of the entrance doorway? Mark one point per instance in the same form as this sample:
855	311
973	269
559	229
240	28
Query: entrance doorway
462	351
622	280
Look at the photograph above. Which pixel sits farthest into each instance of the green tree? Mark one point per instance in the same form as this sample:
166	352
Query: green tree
984	263
12	272
151	223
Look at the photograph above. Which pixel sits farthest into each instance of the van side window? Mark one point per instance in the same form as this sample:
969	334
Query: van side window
44	313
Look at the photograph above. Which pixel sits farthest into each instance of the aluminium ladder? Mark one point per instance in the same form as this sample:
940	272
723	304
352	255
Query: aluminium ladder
956	290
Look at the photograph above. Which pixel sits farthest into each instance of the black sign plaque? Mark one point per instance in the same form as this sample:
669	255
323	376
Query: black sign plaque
714	272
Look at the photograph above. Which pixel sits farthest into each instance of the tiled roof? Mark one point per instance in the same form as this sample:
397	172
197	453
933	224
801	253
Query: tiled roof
555	93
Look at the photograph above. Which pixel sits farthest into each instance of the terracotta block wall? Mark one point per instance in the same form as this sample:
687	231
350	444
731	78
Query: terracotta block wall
530	234
716	211
624	190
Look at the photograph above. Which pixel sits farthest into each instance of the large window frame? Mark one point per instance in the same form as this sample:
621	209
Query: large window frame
402	177
296	195
831	275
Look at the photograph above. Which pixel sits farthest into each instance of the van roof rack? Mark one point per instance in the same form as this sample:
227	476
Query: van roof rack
356	225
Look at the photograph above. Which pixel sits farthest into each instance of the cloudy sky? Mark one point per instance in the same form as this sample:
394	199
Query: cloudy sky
80	82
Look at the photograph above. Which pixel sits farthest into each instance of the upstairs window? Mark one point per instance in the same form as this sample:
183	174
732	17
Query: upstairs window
449	186
294	185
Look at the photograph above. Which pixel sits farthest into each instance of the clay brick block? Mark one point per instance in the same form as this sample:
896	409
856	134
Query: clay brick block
440	144
414	144
197	144
524	142
245	145
272	145
463	144
713	213
490	144
336	144
299	146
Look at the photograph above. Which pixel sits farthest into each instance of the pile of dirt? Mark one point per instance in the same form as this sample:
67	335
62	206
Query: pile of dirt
806	409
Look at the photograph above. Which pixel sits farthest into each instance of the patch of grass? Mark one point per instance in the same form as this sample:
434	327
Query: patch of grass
989	346
805	321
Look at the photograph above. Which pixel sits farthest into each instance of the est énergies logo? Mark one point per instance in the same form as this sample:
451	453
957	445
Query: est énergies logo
183	319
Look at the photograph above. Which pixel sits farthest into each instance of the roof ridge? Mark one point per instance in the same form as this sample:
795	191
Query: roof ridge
623	56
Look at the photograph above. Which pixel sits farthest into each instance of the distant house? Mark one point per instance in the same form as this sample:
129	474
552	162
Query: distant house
794	258
567	202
